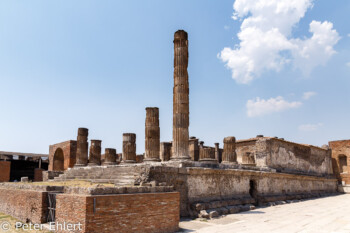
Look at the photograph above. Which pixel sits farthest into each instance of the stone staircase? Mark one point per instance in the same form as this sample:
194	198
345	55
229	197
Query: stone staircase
118	175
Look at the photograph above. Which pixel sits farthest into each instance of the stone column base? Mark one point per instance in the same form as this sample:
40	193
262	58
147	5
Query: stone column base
229	163
151	160
128	161
212	161
109	163
93	164
183	158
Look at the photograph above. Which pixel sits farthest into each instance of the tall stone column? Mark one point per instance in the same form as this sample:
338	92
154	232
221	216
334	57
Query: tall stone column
129	148
95	153
180	98
110	156
82	148
229	154
152	135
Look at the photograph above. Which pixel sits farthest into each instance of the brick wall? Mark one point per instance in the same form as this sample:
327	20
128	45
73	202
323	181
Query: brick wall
141	212
341	148
25	205
5	167
38	174
69	150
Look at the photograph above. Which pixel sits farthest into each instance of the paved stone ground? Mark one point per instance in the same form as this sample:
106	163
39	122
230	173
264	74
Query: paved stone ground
321	215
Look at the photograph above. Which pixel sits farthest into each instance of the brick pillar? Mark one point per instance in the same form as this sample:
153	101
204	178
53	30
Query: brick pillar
82	147
110	156
152	135
95	153
229	154
129	148
207	154
180	98
165	151
5	169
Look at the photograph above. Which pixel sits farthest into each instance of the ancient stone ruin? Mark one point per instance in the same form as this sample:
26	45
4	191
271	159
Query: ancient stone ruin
189	177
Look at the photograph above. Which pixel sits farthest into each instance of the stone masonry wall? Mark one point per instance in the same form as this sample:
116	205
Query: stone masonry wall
244	147
5	167
208	184
142	212
286	156
25	205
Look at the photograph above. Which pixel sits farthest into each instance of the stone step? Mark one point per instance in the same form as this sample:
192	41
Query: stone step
119	175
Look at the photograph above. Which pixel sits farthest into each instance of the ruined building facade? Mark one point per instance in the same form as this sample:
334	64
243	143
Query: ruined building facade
226	178
341	160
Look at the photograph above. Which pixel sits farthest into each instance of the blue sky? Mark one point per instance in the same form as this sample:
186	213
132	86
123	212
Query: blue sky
98	64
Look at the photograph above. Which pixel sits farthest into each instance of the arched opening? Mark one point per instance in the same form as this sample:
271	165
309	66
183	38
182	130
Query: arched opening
58	160
343	164
253	191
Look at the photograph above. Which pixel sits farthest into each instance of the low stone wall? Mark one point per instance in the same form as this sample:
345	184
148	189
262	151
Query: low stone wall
23	204
139	212
209	184
5	167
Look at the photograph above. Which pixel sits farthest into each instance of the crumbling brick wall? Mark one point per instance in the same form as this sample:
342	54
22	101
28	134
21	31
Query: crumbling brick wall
5	168
341	160
69	152
139	212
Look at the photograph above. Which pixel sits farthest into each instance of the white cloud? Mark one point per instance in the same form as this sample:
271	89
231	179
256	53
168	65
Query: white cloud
260	107
226	27
349	35
348	64
309	127
266	42
308	95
